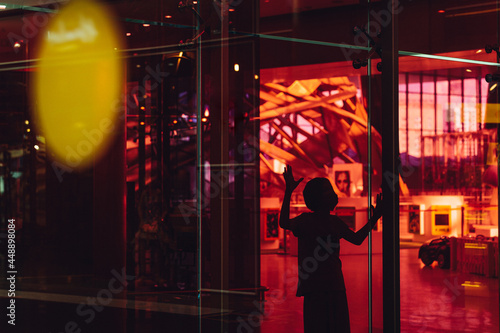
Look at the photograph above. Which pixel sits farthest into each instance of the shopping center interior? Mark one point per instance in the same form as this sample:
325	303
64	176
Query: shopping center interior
143	145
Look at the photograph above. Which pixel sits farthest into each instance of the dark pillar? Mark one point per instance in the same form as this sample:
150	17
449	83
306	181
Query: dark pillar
219	158
109	234
230	255
390	165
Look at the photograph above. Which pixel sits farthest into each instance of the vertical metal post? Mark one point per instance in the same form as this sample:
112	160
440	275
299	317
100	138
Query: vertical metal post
369	185
200	168
390	166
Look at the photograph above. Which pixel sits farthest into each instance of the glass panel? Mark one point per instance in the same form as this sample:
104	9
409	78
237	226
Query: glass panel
451	204
174	221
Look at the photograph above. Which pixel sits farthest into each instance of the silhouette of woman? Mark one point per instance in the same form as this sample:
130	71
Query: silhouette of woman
321	281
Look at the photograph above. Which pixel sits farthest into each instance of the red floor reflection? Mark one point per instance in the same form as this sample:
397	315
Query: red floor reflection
432	299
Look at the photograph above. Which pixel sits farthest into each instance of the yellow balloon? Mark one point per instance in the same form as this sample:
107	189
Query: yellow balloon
78	82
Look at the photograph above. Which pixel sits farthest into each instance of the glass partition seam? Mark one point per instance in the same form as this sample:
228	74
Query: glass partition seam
30	8
369	179
199	162
131	20
446	58
303	41
160	24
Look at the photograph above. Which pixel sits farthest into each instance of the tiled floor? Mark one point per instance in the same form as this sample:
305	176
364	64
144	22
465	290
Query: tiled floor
432	300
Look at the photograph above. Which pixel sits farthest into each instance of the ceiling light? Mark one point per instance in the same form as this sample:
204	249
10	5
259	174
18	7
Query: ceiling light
441	11
468	70
128	34
236	67
168	16
146	25
2	7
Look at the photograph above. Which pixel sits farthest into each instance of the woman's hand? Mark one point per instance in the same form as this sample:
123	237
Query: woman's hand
379	207
291	183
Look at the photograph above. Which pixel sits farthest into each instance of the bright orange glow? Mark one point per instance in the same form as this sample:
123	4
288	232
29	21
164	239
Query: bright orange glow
204	120
475	246
479	51
441	11
168	16
128	34
78	83
146	25
141	123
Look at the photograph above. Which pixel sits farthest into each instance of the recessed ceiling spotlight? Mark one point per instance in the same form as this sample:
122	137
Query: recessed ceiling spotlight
441	11
168	16
146	25
128	34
